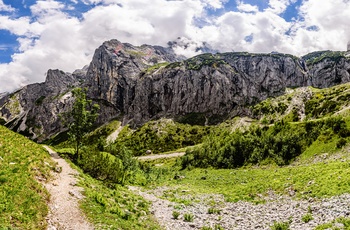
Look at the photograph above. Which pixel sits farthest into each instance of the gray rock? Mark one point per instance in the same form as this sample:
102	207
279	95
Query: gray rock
76	194
137	84
35	110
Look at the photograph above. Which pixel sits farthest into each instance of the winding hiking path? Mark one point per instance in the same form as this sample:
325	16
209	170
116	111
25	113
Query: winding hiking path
155	157
64	211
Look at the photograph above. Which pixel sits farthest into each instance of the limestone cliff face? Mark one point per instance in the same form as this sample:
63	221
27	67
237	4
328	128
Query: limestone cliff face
114	72
213	85
35	109
137	84
328	68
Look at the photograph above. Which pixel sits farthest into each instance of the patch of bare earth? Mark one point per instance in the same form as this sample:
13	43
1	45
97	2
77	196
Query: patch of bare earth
64	211
160	156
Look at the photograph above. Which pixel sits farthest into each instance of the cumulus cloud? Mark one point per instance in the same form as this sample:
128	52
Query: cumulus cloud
52	38
247	7
4	7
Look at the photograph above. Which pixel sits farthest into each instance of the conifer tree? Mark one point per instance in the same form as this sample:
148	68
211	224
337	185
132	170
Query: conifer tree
83	114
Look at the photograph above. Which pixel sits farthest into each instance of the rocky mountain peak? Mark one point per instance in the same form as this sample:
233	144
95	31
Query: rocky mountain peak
136	84
57	80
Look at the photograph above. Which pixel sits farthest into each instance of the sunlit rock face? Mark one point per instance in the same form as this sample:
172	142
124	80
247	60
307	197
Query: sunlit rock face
136	84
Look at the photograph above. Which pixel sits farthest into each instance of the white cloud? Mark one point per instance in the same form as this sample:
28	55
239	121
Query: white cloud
332	21
216	4
4	7
247	7
53	39
57	40
279	6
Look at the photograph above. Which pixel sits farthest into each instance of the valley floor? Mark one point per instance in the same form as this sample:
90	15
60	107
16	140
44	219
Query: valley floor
311	193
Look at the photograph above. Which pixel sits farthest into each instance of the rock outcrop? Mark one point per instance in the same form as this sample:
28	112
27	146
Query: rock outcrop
35	109
137	84
328	68
220	85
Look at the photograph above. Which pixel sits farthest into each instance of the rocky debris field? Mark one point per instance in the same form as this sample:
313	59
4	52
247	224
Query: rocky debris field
242	215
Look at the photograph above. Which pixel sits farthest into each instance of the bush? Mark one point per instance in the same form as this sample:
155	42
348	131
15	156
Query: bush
176	215
101	165
188	217
213	211
280	226
307	218
206	228
119	167
341	142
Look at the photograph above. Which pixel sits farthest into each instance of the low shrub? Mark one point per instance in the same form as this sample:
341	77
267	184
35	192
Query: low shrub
214	211
188	217
307	218
280	226
176	215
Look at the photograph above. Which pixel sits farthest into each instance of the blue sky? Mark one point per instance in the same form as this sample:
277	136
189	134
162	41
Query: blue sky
37	35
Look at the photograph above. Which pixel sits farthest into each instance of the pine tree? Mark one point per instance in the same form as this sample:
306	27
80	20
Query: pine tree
83	114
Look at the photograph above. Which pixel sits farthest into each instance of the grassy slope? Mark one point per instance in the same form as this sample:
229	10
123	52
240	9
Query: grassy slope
22	198
314	180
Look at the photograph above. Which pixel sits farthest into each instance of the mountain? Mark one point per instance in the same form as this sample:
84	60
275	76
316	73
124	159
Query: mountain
136	84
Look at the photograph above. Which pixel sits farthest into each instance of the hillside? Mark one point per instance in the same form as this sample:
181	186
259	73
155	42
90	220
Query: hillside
23	165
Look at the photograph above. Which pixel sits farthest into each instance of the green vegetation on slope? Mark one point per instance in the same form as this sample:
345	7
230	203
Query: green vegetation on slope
327	101
160	136
280	144
22	198
304	103
316	57
197	62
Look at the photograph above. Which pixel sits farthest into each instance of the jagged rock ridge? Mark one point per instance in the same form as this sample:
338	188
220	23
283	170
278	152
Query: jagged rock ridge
137	84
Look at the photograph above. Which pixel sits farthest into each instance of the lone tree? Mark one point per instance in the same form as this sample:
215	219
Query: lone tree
83	114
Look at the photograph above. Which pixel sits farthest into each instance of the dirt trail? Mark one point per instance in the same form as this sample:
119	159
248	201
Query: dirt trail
64	211
154	157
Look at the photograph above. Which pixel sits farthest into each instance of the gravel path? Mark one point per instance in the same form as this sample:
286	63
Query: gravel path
244	215
155	157
64	211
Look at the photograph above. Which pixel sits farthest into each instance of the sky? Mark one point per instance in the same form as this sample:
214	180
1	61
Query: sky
37	35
